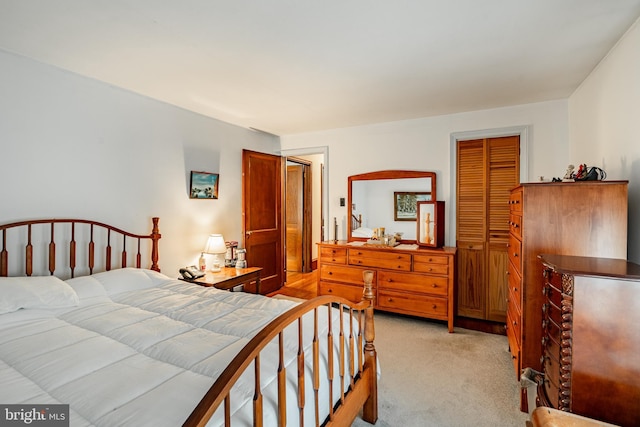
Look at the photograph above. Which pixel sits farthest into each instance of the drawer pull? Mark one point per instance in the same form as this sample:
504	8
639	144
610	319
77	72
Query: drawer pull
330	290
330	273
390	299
434	306
390	280
433	285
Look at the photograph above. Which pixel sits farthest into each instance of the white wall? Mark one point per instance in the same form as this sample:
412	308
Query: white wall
424	144
76	147
603	123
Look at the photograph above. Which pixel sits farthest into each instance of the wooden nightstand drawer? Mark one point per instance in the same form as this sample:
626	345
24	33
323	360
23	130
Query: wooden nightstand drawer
405	302
334	255
413	282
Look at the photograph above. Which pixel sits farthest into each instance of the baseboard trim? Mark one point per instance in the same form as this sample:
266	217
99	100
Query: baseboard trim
487	326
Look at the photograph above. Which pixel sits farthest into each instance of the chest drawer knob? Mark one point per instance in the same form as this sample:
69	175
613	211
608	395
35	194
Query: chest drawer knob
390	280
433	285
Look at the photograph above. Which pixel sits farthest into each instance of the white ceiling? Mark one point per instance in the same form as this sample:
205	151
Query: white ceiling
290	66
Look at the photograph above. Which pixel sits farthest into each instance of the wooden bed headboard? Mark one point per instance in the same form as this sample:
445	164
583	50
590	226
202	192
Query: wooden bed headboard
49	231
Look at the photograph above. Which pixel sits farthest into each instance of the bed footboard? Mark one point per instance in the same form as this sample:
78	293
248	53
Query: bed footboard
356	367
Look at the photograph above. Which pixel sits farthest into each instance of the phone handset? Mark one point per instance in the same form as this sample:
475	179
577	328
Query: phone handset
191	273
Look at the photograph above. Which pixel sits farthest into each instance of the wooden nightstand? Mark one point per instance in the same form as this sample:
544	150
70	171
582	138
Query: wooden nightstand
229	278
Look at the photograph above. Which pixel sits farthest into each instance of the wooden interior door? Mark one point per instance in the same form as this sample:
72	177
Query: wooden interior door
295	217
262	178
487	170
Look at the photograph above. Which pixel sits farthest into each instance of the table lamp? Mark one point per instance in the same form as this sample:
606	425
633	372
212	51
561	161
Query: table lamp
215	246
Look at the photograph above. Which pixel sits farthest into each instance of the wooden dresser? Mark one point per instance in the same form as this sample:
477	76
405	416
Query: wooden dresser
418	282
577	218
591	338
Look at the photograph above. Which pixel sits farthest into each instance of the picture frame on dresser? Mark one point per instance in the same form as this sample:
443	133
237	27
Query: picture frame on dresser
430	224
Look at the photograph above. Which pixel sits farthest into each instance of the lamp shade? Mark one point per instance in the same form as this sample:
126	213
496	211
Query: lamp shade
215	244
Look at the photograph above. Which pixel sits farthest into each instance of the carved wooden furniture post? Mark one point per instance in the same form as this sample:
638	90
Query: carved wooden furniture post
370	409
155	236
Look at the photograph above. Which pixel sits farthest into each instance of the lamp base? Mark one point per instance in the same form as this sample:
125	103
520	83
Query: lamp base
216	266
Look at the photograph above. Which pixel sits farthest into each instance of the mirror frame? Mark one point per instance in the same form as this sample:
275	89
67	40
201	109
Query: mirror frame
385	174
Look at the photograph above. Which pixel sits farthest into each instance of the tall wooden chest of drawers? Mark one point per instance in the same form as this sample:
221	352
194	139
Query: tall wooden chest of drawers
418	282
591	338
574	218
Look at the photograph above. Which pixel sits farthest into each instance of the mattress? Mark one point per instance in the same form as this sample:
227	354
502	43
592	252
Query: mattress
139	348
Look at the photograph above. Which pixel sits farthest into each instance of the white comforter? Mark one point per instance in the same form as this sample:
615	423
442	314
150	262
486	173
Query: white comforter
141	349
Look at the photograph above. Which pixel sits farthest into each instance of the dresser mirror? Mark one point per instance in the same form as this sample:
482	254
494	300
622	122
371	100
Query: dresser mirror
385	202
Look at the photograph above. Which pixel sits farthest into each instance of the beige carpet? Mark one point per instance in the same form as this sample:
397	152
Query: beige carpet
432	378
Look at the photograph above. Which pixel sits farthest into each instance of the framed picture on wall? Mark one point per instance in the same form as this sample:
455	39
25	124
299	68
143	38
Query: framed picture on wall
405	204
204	185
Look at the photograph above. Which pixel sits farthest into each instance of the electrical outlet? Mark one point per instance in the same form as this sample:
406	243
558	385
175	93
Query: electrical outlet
341	201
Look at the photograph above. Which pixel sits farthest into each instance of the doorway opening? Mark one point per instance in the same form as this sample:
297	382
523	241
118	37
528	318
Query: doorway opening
316	203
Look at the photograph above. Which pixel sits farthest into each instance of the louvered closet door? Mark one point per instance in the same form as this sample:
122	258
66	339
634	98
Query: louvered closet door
487	170
471	228
504	173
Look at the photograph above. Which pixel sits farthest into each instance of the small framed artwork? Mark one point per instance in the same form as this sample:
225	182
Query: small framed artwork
204	185
405	208
430	220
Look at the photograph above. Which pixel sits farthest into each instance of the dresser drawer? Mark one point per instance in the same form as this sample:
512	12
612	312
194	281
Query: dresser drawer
350	292
421	267
552	391
413	282
515	284
552	293
552	311
515	225
335	255
338	273
514	346
514	250
551	335
515	201
513	319
422	305
430	259
392	261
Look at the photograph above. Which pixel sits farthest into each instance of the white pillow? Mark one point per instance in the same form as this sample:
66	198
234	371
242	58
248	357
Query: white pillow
35	292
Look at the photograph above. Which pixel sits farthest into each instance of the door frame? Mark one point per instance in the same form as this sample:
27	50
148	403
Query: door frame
324	151
523	131
307	204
